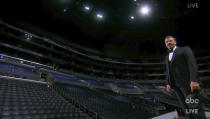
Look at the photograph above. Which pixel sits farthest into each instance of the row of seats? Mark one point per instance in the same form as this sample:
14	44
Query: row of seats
105	105
27	100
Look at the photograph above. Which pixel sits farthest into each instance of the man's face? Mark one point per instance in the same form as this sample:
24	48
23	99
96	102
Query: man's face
170	43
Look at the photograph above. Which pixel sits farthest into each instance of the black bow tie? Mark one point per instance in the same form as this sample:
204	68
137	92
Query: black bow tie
170	51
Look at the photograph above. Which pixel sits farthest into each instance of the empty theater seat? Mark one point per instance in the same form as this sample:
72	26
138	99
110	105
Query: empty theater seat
27	100
101	104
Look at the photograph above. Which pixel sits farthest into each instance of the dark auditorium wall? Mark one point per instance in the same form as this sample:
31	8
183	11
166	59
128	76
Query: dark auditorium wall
120	51
135	49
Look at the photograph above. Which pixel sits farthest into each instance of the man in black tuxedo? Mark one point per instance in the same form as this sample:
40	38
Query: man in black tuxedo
182	76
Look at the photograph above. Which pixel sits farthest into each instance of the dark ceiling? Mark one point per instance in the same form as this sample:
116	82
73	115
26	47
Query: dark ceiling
69	19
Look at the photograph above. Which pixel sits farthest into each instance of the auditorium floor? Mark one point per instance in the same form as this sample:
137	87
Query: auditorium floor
172	114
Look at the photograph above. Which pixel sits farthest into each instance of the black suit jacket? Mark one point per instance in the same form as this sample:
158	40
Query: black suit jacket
182	69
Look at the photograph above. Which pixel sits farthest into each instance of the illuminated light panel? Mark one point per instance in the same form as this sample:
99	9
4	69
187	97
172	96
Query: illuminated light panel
99	16
87	8
64	10
132	17
145	10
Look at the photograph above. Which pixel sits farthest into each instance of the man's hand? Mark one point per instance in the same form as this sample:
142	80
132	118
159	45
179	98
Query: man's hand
168	88
194	85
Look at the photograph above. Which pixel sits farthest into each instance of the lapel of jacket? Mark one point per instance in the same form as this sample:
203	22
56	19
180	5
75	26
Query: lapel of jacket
167	60
174	54
167	63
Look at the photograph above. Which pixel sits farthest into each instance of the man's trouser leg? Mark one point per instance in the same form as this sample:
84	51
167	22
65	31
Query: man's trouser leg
182	93
201	112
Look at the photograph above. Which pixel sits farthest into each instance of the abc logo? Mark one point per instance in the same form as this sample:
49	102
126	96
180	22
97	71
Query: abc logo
191	101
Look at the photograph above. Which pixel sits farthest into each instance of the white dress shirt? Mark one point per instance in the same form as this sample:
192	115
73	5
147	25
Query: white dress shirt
171	54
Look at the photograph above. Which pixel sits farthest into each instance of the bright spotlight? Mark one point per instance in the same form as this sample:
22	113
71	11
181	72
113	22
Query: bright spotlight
64	10
132	17
87	8
145	10
99	16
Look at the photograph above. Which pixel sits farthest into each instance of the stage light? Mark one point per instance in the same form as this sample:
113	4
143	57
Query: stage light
64	10
99	16
134	0
87	8
132	17
144	9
